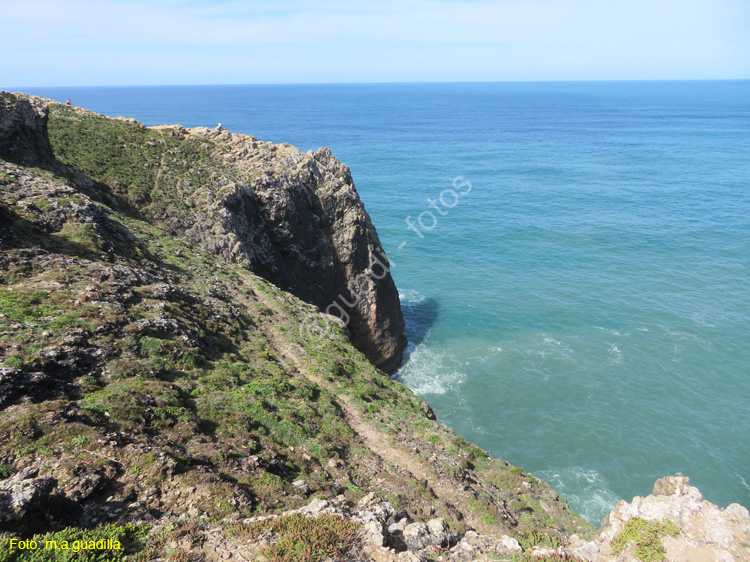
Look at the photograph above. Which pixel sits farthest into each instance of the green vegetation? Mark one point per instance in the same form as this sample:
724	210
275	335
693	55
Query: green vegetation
529	558
303	539
647	537
67	545
538	538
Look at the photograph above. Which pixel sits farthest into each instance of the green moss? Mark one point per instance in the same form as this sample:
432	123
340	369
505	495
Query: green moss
647	537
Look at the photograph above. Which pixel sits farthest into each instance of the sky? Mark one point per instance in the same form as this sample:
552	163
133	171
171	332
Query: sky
160	42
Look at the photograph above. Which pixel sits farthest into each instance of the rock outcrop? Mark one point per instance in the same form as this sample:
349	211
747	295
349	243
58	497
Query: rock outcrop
306	230
702	531
23	130
293	218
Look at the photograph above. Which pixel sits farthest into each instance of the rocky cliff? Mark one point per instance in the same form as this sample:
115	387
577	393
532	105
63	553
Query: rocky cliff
674	523
293	218
23	130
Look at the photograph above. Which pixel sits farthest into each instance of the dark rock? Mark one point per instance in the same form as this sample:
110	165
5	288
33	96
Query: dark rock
23	130
309	234
427	411
30	504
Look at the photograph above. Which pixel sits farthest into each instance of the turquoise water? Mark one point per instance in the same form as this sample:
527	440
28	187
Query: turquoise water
583	310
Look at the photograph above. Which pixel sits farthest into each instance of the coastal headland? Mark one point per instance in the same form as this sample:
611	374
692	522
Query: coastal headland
194	329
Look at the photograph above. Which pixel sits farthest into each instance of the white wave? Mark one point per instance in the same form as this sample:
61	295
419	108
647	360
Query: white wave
744	482
611	331
410	296
430	372
616	354
586	490
548	346
700	322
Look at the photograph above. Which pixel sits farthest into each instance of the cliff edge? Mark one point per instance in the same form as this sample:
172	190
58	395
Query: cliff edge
293	218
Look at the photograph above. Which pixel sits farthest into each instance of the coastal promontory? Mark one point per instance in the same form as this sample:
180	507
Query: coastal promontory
194	326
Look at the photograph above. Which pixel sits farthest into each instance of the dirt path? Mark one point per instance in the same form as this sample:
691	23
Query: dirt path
377	441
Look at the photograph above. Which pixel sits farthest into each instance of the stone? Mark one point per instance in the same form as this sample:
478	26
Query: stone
416	536
509	544
438	530
301	486
372	533
29	502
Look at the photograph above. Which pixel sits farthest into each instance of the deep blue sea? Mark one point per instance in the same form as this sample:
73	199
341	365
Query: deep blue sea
581	307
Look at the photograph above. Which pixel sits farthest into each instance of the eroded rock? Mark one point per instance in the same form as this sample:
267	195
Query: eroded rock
706	532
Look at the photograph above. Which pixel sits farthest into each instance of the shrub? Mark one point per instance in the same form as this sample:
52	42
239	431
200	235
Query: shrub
303	539
129	536
532	539
647	536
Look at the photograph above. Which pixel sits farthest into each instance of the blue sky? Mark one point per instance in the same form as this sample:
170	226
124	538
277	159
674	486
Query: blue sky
117	42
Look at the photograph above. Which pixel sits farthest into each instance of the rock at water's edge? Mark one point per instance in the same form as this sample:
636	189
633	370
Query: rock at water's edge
706	532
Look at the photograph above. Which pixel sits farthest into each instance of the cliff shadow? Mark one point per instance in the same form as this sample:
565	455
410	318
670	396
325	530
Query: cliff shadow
420	317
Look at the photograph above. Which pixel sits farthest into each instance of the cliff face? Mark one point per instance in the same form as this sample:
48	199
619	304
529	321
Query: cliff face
293	218
23	131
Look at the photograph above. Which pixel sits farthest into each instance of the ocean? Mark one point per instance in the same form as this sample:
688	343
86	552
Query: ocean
573	259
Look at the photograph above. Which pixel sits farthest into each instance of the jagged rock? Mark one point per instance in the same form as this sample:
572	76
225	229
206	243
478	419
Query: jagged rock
416	536
398	527
509	545
372	533
23	130
301	486
438	530
307	231
23	492
467	549
706	532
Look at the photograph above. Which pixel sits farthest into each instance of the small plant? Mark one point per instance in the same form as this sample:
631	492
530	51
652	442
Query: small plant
647	536
530	558
303	539
489	519
533	538
14	362
63	546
